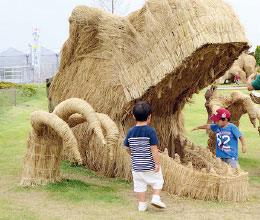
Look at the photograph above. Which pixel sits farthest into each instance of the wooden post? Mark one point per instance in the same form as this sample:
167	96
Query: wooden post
14	96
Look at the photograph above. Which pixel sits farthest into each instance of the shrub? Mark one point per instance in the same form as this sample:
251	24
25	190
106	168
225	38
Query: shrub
29	90
257	55
6	85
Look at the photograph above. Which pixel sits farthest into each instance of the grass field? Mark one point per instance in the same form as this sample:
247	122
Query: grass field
85	195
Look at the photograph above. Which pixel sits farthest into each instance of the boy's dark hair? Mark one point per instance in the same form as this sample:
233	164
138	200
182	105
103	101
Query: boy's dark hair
228	119
141	111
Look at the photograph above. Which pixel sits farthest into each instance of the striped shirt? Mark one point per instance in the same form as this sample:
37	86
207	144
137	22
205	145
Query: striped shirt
139	139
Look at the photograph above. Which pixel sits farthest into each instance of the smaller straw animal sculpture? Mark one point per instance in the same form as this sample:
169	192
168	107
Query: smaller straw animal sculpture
245	65
49	136
238	104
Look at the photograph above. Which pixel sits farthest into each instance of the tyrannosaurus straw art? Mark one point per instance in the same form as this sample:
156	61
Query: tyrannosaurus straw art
163	53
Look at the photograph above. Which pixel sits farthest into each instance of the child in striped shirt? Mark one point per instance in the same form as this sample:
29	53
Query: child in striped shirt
141	144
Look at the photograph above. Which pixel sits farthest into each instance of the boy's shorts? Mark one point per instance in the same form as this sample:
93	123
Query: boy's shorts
232	162
142	179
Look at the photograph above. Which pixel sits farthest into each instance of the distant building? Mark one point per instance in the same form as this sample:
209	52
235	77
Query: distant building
15	66
13	57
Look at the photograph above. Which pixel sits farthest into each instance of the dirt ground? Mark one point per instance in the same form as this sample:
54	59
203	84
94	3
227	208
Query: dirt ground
30	204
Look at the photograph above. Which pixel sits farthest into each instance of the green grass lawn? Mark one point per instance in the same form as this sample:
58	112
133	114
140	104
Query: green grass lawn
14	130
82	190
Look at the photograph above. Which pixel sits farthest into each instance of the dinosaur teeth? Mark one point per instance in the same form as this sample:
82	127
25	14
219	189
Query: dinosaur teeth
166	151
212	72
170	83
177	158
218	160
159	94
190	165
217	51
229	171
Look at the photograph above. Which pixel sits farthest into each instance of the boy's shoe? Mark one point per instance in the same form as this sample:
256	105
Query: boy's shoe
142	206
156	201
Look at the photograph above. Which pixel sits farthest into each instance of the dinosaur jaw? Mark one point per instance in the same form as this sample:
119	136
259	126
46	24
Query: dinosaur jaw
169	96
198	71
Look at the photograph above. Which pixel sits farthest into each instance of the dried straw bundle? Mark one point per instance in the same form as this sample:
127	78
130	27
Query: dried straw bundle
249	64
161	54
199	184
75	105
98	157
48	137
98	137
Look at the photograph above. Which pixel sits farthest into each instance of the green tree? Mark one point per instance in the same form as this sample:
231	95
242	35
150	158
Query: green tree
108	5
257	55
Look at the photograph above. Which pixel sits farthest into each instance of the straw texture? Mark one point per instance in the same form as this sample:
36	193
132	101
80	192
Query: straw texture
47	139
98	137
232	185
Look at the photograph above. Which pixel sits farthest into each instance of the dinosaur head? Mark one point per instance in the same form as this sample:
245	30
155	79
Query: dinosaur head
163	53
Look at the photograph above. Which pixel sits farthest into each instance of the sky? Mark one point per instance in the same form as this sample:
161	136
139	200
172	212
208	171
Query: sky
19	17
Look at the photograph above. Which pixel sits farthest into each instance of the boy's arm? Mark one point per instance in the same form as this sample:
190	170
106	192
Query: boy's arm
243	142
128	150
155	154
206	126
249	81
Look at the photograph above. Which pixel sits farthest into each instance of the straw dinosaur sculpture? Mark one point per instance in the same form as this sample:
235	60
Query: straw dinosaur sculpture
245	65
163	53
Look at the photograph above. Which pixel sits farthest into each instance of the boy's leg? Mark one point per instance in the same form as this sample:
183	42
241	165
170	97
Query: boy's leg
157	188
157	191
140	188
141	196
156	200
142	206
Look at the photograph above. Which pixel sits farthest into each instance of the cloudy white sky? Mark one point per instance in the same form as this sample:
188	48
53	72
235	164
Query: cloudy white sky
19	17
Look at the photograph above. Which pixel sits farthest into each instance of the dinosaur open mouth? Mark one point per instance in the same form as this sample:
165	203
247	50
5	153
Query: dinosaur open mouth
169	97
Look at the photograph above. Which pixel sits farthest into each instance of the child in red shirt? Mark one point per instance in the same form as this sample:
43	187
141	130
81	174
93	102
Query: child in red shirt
237	78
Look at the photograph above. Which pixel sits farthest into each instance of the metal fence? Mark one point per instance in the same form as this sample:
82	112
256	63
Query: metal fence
27	74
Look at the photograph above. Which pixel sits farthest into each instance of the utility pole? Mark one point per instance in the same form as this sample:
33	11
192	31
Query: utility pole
57	61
